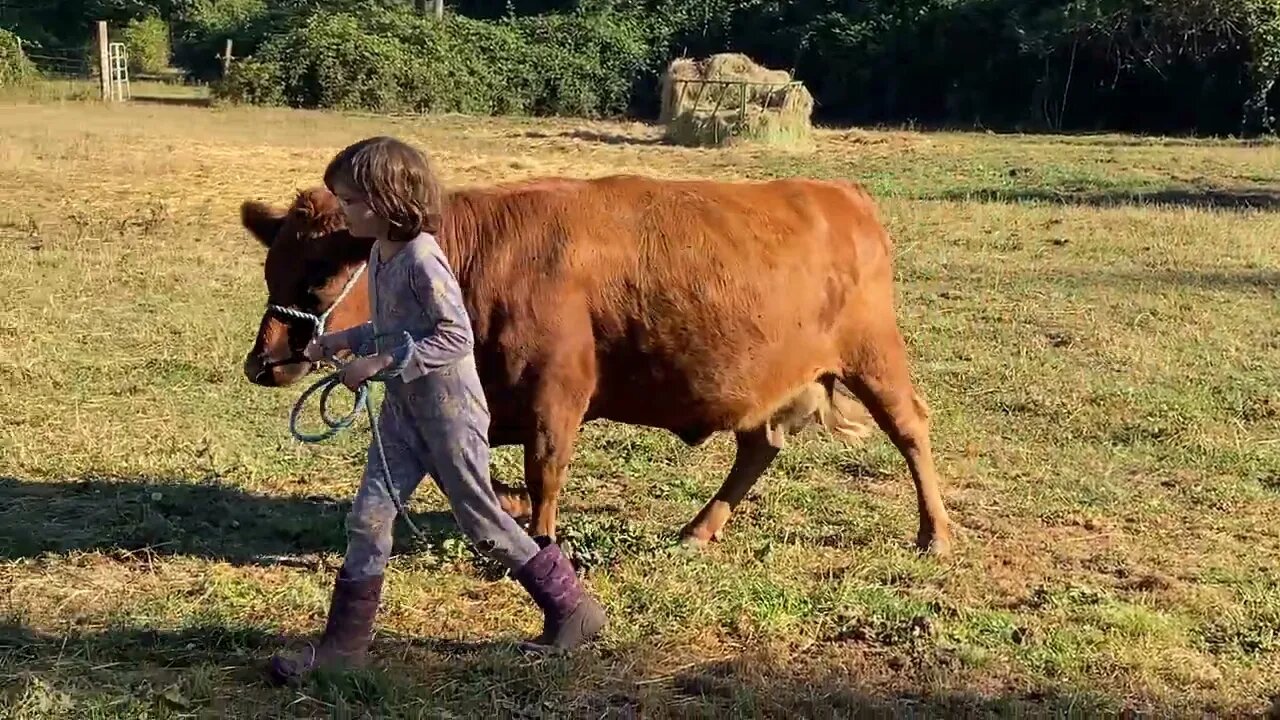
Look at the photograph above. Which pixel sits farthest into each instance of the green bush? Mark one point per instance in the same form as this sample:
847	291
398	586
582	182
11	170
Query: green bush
1205	65
463	65
147	40
202	28
15	67
333	62
388	59
586	64
251	81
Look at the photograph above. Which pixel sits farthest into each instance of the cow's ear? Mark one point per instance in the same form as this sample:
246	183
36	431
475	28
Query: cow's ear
262	220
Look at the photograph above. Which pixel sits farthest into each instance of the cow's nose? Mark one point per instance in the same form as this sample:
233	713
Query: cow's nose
265	377
258	372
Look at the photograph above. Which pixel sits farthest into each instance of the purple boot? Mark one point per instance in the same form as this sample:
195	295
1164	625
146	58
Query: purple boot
347	633
570	615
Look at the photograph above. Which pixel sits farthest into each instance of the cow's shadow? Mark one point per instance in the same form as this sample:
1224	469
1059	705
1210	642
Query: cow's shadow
1237	198
139	517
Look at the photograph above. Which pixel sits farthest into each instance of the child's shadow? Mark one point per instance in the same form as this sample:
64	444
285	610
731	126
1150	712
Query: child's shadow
135	519
240	652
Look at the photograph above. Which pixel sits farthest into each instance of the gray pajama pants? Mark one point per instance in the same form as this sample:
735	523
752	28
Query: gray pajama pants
433	426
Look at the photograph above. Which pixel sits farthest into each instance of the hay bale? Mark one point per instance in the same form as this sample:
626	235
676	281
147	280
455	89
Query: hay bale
679	69
728	98
736	66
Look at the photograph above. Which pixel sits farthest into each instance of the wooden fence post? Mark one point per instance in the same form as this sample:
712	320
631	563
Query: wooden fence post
437	7
226	59
104	63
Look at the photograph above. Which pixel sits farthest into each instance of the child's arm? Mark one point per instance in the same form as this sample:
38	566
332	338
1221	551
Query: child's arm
434	285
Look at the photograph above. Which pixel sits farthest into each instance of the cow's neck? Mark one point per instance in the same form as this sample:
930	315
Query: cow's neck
459	238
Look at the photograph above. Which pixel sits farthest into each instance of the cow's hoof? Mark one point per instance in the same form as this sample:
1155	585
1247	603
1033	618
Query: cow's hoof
694	540
937	546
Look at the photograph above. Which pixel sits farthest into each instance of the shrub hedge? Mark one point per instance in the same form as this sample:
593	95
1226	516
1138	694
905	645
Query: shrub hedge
392	60
15	67
147	40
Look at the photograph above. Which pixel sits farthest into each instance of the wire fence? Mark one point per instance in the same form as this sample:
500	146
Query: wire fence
61	62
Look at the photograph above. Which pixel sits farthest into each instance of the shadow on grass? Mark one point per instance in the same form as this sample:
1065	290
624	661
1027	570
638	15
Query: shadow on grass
1213	279
592	136
146	516
613	138
1091	280
1255	198
194	645
172	100
212	670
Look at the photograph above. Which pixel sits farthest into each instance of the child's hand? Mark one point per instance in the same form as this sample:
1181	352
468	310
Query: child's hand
361	369
325	346
315	351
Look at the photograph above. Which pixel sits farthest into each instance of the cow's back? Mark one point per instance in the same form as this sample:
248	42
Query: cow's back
708	302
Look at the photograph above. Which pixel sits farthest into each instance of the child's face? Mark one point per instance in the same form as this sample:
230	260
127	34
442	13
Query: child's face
362	221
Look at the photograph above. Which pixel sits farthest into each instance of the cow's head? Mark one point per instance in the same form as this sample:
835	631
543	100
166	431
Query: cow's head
311	258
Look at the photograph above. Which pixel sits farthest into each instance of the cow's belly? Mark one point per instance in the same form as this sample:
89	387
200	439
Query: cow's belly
694	389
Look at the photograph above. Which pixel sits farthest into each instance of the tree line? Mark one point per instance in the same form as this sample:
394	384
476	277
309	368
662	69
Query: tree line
1167	66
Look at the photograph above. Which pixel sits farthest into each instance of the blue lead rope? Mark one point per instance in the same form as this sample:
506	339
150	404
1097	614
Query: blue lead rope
363	401
325	386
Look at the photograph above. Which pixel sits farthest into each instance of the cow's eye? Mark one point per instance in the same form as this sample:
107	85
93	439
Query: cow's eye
317	275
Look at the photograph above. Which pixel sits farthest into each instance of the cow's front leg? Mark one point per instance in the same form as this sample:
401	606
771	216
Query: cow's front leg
559	405
546	465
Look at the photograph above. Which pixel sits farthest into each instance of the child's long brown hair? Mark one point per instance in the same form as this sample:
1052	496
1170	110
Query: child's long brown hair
397	180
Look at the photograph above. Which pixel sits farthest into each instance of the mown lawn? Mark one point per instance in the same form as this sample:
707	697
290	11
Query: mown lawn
1095	322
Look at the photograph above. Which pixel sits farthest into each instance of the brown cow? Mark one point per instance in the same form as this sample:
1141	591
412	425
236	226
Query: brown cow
692	306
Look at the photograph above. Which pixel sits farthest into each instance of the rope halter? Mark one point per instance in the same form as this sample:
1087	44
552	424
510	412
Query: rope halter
320	321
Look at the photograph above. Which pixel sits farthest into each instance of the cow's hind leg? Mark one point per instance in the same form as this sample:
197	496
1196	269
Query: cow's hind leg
755	453
879	376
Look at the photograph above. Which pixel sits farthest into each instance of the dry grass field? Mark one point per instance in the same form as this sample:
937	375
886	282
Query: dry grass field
1094	320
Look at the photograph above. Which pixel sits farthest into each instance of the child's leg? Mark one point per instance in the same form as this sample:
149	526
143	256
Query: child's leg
460	456
371	522
460	467
357	590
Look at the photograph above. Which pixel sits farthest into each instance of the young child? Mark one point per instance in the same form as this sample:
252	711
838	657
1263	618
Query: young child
434	418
